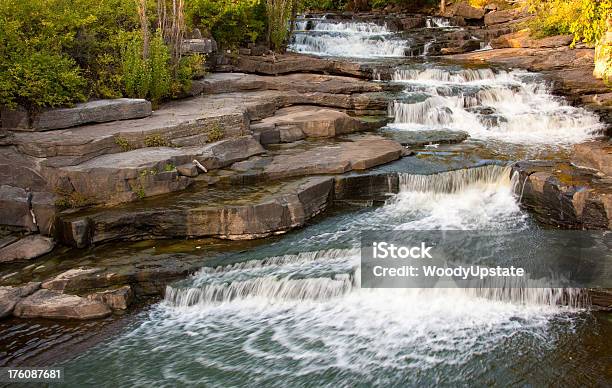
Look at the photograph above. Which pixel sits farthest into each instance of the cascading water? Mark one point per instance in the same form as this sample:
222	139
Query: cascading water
346	39
510	106
302	318
293	312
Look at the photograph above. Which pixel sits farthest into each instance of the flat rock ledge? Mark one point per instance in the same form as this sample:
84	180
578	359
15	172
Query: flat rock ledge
26	248
10	296
563	195
145	172
270	215
55	305
428	137
298	122
98	111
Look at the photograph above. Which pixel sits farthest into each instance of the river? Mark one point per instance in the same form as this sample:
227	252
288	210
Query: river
291	312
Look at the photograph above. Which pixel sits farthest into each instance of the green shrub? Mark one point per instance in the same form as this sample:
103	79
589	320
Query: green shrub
585	19
230	22
146	77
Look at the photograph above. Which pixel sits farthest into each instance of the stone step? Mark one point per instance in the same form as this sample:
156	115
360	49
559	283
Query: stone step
566	196
235	211
296	63
298	122
353	152
202	118
144	172
98	111
242	213
218	83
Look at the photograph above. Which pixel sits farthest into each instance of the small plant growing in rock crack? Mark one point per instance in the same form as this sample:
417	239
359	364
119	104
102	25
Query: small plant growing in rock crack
71	200
169	167
155	141
215	133
123	143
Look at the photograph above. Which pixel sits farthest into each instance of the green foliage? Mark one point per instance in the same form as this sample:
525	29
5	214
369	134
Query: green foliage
39	79
123	143
71	200
169	167
57	52
190	67
215	133
146	77
413	4
155	141
279	13
231	22
585	19
327	5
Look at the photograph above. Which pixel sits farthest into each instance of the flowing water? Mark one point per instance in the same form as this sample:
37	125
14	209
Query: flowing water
292	313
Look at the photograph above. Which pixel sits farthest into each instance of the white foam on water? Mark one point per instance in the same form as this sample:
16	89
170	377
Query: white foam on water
303	317
491	105
348	39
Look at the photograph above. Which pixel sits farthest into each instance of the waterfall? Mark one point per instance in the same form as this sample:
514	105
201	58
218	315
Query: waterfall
347	39
511	106
455	181
437	22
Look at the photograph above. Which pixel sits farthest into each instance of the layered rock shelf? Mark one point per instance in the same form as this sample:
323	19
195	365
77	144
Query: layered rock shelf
98	111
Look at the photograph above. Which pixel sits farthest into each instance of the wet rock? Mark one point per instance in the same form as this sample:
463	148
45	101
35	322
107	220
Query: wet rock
367	187
70	280
417	21
271	214
14	207
596	155
359	154
10	296
422	138
563	195
55	305
98	111
188	170
463	46
26	248
117	299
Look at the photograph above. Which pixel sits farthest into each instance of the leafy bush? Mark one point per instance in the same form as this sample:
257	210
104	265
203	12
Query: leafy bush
325	5
57	52
231	22
585	19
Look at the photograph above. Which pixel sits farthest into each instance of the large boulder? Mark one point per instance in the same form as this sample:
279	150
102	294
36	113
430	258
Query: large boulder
73	279
595	154
297	122
117	298
98	111
27	248
55	305
10	296
563	195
